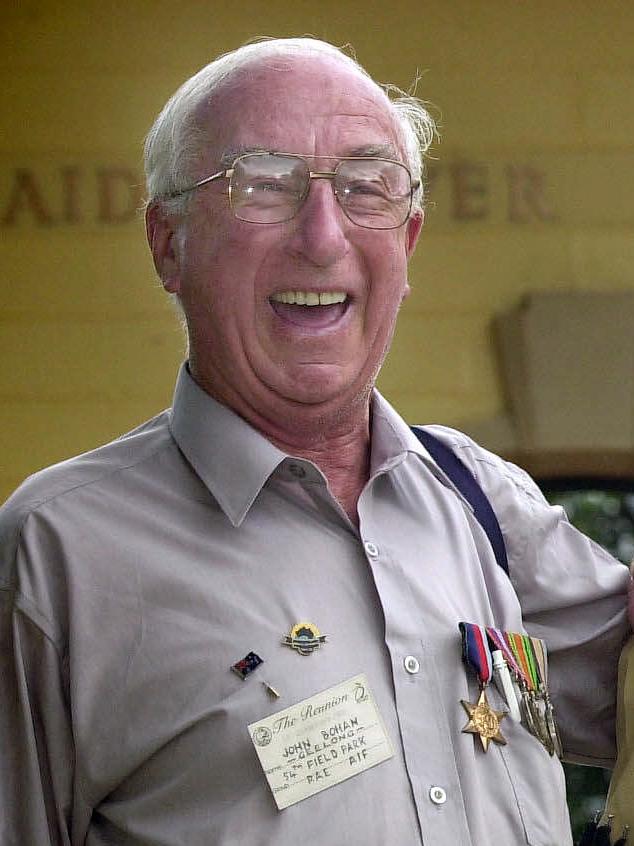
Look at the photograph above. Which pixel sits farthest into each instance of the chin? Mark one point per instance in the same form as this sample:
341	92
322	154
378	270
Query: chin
329	398
316	389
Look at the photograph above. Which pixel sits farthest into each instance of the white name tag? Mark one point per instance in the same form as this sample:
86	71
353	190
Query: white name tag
321	741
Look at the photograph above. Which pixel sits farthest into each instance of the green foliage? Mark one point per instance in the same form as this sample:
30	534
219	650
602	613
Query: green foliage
607	516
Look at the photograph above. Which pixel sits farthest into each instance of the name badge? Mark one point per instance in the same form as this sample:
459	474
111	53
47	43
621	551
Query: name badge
321	741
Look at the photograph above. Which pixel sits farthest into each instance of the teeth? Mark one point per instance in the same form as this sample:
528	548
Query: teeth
327	298
309	298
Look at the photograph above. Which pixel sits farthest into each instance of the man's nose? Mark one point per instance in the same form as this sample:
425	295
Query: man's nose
320	226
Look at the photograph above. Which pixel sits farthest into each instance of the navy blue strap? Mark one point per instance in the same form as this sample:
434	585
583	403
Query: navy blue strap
466	483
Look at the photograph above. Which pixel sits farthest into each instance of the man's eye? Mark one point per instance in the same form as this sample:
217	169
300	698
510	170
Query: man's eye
364	188
268	186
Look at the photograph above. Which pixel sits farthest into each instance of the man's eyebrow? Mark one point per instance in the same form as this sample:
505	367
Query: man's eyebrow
384	151
231	154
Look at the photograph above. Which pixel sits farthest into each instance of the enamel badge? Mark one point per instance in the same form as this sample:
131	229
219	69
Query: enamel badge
305	638
247	665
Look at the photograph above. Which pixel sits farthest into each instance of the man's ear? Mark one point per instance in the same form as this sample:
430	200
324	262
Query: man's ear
163	237
414	226
412	231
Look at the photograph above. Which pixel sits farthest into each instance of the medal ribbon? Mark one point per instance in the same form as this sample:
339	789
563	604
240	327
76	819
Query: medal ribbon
532	663
496	637
475	651
539	650
516	645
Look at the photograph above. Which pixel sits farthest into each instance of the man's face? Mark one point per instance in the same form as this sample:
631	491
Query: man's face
253	352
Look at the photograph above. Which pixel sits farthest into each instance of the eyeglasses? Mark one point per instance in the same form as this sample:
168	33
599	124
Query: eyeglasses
264	187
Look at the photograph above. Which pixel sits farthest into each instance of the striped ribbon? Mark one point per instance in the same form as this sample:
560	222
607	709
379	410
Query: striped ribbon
496	638
476	651
527	643
516	644
539	650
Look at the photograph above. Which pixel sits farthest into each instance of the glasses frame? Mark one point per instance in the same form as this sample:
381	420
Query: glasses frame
227	173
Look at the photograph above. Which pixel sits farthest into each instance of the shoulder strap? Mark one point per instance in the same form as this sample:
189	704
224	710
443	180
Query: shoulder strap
466	483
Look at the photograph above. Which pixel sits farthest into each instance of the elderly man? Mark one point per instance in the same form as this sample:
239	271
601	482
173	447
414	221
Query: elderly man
239	623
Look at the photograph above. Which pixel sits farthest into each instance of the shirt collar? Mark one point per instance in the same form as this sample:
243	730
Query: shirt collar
233	460
392	438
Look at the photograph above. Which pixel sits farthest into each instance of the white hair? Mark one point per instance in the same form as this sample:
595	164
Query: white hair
175	139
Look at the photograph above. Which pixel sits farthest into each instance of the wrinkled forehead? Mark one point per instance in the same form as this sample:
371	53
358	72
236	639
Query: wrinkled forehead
308	104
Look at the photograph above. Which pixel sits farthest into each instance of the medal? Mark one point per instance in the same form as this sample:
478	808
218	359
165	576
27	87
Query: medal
539	649
483	719
537	709
534	696
519	666
527	705
517	651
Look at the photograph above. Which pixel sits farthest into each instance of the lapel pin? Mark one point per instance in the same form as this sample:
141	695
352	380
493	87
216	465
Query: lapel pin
247	665
305	638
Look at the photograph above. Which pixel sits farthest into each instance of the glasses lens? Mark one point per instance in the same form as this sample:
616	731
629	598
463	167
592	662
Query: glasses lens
267	188
374	193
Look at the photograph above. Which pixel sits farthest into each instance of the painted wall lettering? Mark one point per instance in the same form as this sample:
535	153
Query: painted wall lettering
120	194
461	192
465	191
527	194
25	199
469	191
71	195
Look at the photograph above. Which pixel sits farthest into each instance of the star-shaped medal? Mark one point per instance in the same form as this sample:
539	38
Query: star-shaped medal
484	721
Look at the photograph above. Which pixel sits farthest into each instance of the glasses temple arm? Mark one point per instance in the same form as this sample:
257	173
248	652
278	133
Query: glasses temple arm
221	174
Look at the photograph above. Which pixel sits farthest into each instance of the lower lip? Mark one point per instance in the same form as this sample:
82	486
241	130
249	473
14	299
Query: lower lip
310	318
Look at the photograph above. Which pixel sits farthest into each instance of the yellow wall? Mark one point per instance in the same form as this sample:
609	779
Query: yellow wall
528	92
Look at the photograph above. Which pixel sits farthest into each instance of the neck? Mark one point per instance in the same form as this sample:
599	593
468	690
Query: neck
343	458
334	437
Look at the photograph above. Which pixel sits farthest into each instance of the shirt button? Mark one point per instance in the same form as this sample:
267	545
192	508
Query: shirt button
411	664
297	470
371	548
437	795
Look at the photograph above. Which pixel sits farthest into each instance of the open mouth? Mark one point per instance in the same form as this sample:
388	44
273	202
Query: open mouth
312	309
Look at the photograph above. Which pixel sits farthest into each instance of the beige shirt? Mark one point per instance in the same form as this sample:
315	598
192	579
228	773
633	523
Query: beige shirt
134	576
